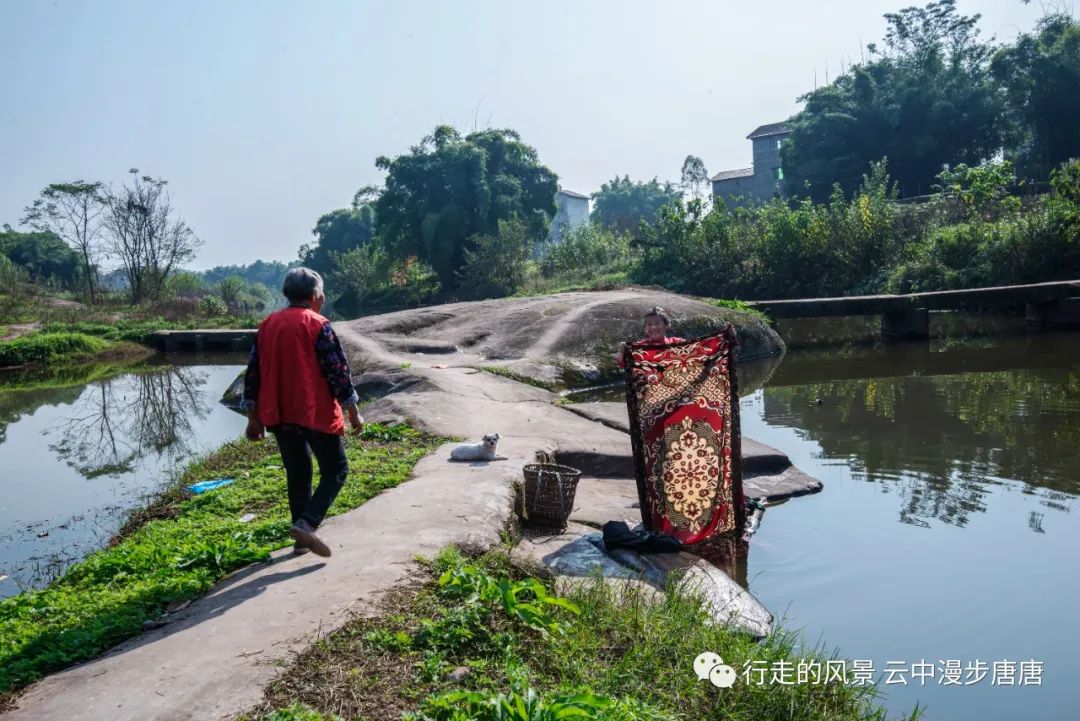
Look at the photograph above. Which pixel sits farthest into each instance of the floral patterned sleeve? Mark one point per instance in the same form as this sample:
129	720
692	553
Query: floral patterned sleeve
251	378
335	367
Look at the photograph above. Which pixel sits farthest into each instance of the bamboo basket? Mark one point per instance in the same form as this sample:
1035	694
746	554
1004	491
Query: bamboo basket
548	494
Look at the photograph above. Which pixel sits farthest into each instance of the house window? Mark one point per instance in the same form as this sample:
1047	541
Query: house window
779	143
779	173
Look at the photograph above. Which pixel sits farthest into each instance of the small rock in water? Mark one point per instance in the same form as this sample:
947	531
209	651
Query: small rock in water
43	534
3	576
247	518
459	673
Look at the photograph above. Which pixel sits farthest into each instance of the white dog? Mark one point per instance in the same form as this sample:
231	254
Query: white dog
483	451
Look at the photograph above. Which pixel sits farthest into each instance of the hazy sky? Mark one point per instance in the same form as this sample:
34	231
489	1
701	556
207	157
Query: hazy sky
265	114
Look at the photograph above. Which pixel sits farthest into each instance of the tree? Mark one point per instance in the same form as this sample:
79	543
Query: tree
146	235
448	190
43	256
622	204
231	289
495	264
926	102
338	231
267	272
1041	76
72	212
186	284
695	178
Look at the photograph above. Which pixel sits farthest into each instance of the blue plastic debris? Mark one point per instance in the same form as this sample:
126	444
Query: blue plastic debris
204	486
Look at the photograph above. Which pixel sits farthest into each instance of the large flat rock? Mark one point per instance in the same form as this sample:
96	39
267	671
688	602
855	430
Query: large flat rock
567	337
773	487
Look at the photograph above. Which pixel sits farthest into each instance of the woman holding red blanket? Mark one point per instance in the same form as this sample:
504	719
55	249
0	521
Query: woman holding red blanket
657	327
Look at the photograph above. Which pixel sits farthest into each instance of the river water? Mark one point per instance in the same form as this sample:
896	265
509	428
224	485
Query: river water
947	529
74	460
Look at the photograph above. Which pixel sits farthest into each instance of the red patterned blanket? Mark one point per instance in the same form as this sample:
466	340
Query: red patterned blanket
684	426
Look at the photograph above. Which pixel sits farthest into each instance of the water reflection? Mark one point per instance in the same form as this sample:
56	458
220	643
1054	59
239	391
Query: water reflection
943	443
86	453
121	420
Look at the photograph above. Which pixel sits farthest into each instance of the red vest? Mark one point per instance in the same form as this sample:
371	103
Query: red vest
292	387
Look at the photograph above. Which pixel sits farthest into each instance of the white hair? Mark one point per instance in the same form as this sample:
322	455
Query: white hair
302	284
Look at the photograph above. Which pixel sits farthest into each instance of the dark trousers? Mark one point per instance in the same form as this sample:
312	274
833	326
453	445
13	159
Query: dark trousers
297	446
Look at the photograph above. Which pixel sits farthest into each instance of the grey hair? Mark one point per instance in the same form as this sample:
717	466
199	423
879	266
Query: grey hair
301	284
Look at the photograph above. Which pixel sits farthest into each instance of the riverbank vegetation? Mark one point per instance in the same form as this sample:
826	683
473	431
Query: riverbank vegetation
847	222
476	634
44	329
177	547
973	231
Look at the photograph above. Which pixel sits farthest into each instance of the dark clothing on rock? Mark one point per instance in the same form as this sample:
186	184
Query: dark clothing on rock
297	445
618	535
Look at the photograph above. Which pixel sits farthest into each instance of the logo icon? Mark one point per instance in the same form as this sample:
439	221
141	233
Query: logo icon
710	666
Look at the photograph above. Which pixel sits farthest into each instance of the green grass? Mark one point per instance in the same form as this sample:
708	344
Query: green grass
620	655
66	375
136	330
178	547
39	348
539	285
739	305
73	342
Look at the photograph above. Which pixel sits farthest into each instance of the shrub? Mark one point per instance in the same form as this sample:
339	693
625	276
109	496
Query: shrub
495	264
45	347
213	307
586	252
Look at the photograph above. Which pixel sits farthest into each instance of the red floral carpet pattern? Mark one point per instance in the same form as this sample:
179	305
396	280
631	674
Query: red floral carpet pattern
684	424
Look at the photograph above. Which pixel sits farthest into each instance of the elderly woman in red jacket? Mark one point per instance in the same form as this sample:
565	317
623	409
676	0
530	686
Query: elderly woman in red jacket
297	383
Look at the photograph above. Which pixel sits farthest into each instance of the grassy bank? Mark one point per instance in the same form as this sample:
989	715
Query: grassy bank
84	341
178	547
472	630
73	374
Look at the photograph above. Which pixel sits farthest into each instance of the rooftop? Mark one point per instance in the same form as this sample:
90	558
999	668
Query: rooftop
572	194
771	129
729	174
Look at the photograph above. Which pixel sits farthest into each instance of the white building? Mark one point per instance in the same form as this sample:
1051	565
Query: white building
572	211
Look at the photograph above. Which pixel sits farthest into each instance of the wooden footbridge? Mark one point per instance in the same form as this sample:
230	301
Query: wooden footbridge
907	317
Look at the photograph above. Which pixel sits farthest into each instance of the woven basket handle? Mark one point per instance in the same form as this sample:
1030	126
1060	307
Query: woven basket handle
539	483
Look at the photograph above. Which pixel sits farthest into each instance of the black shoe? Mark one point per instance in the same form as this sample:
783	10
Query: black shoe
304	534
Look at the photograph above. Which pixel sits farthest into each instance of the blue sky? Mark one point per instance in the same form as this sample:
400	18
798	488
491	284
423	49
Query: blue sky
263	115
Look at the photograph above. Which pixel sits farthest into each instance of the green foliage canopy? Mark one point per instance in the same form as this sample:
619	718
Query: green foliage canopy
928	101
1041	76
43	255
449	189
622	204
338	231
